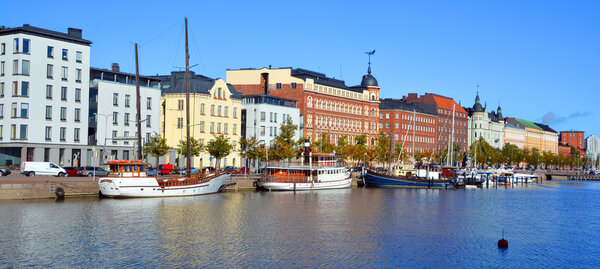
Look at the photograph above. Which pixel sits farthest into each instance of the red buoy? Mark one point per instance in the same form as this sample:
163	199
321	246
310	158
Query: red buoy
502	243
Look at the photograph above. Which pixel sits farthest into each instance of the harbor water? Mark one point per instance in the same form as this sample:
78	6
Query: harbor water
553	226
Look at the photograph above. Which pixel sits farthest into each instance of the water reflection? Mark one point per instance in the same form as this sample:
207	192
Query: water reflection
339	228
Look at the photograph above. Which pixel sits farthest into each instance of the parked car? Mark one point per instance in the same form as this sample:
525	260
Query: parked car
166	168
262	170
42	168
4	171
151	171
192	170
229	169
242	170
71	171
208	169
89	171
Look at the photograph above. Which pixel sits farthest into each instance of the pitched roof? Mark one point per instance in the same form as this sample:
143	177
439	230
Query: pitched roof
545	127
175	83
446	103
527	123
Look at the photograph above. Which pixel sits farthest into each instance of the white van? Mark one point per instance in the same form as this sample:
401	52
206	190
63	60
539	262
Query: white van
42	168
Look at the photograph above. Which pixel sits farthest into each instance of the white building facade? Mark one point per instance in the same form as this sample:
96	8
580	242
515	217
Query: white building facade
44	89
592	146
113	113
263	115
490	126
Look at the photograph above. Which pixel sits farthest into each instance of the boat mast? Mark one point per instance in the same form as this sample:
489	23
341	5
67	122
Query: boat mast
452	139
413	137
187	100
137	105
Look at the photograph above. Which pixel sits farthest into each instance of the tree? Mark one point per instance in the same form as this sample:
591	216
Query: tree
359	150
534	157
510	154
343	149
323	144
156	146
285	144
195	147
219	148
383	147
250	149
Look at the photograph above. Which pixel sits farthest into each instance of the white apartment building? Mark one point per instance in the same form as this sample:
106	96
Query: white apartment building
592	146
113	113
44	89
490	126
263	115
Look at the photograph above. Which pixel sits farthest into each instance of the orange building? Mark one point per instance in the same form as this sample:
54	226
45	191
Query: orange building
448	112
410	124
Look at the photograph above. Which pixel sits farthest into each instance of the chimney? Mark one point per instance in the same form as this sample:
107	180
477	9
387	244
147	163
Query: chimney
26	25
264	83
74	32
115	67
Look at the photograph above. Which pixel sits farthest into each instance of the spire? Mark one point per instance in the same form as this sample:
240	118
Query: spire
369	70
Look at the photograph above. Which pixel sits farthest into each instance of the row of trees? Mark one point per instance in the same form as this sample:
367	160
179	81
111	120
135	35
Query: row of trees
219	147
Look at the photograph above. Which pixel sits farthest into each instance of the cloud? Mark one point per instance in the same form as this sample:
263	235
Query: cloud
551	118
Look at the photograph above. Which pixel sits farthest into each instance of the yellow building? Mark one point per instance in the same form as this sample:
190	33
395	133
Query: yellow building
215	109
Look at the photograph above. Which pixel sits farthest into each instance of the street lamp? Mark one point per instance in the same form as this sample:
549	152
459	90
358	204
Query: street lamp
105	130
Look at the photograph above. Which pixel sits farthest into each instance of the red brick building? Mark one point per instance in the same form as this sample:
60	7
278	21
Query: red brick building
573	138
396	118
446	106
327	104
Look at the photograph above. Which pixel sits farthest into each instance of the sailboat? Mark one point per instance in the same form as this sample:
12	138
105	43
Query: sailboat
128	178
401	177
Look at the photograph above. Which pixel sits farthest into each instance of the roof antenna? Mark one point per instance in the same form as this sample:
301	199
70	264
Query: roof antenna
370	53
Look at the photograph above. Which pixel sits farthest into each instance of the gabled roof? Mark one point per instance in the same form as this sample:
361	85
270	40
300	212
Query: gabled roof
28	29
397	104
446	103
175	83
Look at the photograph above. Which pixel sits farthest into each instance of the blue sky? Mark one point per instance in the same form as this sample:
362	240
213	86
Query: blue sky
540	60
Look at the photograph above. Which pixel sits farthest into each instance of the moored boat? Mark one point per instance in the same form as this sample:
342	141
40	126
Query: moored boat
128	178
373	179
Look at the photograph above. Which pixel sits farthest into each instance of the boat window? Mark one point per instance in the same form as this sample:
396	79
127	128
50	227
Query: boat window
141	168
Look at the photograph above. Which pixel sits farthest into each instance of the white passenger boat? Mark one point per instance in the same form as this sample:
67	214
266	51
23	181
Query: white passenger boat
128	178
317	172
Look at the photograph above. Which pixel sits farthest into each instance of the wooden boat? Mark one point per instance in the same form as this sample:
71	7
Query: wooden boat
373	179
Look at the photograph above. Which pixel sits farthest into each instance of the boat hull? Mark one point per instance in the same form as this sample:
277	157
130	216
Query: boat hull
305	186
376	180
149	187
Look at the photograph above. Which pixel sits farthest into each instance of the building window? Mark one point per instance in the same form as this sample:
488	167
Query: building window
180	104
149	103
234	128
48	112
127	100
115	99
48	133
293	85
201	126
2	48
212	127
63	113
49	71
76	135
262	130
23	131
63	133
50	52
114	135
1	68
126	119
65	73
78	75
1	111
25	68
148	121
48	91
396	125
77	95
63	93
275	117
65	54
26	46
13	110
15	67
225	128
15	45
235	112
13	131
126	134
218	127
202	108
263	116
278	85
179	123
115	118
78	56
77	114
270	131
219	92
212	110
24	88
226	111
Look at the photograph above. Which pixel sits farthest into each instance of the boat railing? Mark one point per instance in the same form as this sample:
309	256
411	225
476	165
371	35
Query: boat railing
284	164
287	178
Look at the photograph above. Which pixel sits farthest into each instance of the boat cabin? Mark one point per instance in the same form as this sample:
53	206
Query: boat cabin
127	168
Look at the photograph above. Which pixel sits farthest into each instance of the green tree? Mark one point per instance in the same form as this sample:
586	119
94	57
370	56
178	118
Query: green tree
284	146
383	147
510	154
534	157
359	149
342	148
156	146
323	144
250	149
195	147
219	148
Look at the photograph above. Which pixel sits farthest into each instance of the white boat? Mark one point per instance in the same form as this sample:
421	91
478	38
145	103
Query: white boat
129	179
317	172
